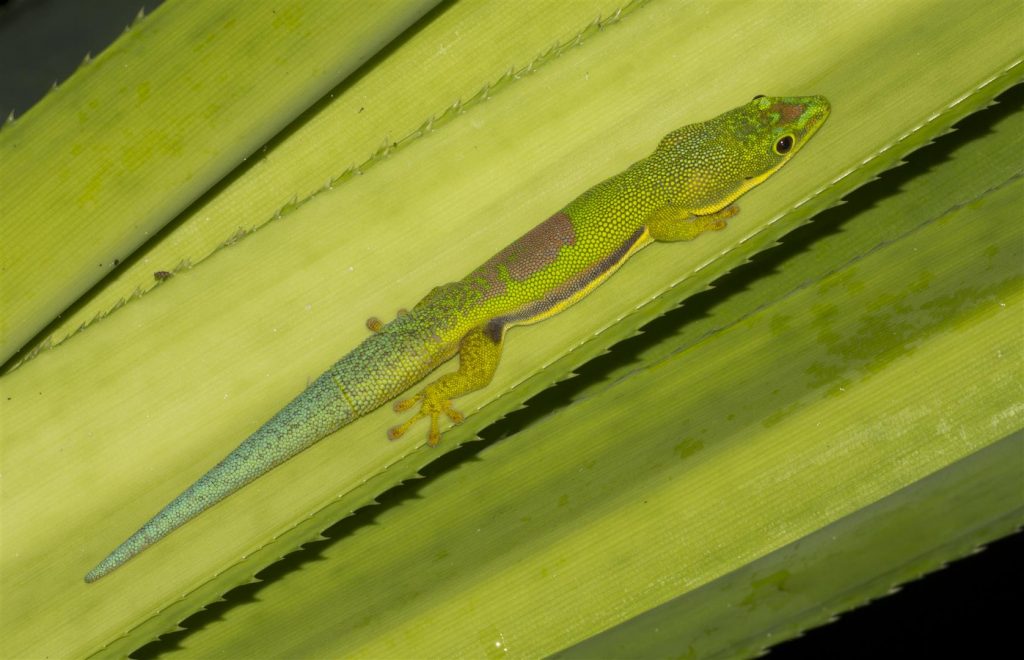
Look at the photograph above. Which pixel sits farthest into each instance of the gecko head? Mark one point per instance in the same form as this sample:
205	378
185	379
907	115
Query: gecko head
768	131
726	156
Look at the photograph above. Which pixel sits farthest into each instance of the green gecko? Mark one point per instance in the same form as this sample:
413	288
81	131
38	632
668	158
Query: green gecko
685	188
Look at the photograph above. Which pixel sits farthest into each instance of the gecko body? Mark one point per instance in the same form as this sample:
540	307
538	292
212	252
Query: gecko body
683	189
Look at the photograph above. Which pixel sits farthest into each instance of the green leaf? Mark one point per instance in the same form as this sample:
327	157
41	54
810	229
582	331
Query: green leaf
915	530
136	135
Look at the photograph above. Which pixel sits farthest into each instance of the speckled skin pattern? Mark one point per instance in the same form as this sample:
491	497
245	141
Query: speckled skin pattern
686	187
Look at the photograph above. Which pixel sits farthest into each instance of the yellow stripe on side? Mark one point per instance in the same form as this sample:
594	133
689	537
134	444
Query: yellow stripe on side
579	287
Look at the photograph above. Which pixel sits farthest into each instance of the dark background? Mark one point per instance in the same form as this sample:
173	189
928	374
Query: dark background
972	608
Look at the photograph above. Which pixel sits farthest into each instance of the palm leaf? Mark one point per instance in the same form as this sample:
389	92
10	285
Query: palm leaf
102	430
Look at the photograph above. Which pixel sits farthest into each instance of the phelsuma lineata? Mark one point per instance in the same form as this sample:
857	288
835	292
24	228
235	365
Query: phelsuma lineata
683	189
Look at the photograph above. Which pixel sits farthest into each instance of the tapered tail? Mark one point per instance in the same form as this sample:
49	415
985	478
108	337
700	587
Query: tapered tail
380	368
318	411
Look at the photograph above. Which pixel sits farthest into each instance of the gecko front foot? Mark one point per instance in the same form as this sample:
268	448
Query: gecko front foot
432	405
672	223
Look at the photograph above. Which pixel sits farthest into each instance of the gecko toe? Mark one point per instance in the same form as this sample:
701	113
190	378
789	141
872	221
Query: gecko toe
396	432
435	431
402	406
453	414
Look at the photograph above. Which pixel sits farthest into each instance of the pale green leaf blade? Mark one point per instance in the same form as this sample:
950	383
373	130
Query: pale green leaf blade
134	136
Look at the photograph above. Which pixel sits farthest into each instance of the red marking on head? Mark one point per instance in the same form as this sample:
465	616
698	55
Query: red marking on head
790	112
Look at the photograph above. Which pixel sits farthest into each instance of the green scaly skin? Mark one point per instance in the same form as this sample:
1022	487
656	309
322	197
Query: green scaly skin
686	187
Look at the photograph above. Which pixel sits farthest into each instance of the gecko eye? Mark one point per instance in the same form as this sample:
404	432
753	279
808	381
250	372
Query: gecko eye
759	96
784	144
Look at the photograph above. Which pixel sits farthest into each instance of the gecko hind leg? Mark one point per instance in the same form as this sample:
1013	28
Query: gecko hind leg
376	325
479	353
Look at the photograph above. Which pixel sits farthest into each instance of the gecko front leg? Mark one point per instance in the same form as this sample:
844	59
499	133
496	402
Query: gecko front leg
670	223
479	352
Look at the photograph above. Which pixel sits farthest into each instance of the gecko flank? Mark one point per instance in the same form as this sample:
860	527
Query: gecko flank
683	189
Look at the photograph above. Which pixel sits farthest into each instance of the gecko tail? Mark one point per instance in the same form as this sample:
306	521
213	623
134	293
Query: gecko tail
316	412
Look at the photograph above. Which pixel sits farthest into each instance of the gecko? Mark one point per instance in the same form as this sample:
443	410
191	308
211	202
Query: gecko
686	187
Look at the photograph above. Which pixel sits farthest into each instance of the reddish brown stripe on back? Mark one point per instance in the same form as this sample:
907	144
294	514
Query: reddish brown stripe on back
538	308
530	253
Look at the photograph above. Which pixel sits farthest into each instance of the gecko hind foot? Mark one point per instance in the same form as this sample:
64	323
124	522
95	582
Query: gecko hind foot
432	406
376	325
